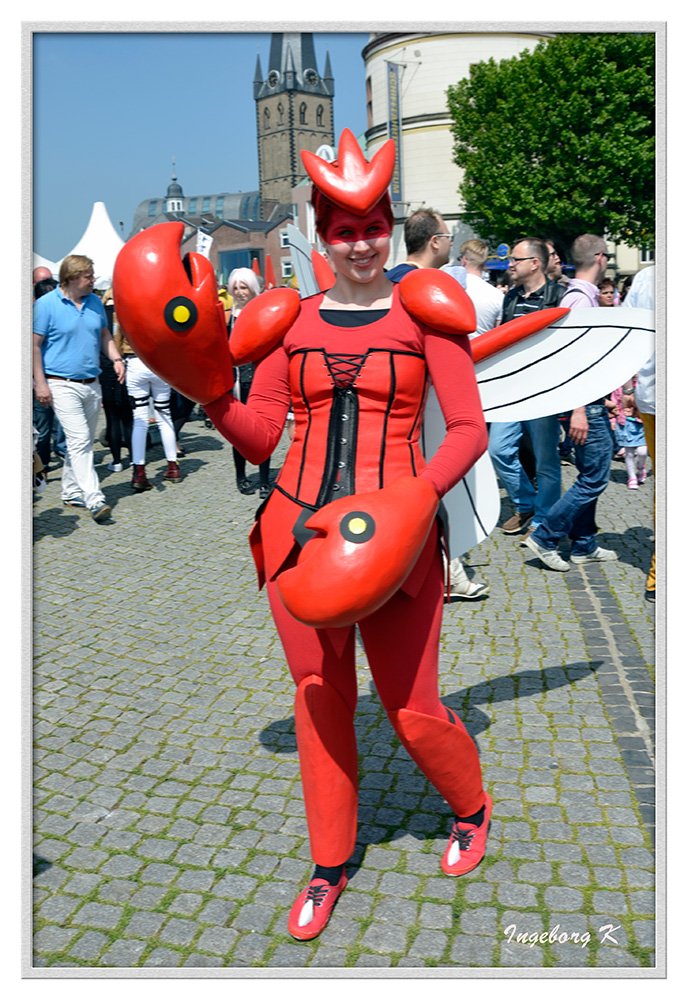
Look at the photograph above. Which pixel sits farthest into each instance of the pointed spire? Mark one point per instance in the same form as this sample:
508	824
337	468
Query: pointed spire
258	75
328	68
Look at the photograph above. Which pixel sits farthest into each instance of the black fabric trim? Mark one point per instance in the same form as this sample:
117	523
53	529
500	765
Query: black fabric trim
340	482
351	318
390	400
308	423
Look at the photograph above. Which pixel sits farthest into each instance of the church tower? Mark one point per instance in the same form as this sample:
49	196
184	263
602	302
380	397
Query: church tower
294	111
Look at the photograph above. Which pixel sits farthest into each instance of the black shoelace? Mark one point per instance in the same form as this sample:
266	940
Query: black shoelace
317	893
464	837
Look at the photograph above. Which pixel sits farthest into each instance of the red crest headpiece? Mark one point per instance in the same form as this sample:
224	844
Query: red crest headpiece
351	182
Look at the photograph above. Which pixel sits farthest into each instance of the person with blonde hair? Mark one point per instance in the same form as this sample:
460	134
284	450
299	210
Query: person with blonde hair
486	299
69	331
243	285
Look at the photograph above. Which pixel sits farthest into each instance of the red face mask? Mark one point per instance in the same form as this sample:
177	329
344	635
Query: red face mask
345	227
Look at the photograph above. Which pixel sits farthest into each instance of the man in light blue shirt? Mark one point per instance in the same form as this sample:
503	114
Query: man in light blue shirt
69	331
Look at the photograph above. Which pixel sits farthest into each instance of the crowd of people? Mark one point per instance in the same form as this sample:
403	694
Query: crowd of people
350	540
82	362
527	455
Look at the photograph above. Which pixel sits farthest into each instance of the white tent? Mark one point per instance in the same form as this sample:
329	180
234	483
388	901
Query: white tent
39	261
101	243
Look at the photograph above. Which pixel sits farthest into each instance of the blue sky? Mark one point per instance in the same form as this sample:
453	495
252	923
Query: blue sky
111	109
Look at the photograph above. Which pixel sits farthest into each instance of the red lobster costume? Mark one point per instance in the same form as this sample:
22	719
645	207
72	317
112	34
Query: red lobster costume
350	535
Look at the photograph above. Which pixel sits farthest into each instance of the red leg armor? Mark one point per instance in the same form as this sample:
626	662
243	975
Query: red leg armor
329	769
446	755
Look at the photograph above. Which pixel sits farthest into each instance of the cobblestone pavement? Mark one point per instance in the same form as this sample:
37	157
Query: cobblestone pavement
168	812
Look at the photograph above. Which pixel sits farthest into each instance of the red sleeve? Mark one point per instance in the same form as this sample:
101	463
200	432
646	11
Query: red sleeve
255	428
450	364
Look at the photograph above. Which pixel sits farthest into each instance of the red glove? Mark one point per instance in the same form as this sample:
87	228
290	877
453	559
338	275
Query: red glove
368	545
170	313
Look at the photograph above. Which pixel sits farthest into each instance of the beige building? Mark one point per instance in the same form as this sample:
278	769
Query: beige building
407	76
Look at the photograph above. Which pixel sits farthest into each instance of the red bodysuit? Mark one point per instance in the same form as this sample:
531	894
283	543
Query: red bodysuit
358	395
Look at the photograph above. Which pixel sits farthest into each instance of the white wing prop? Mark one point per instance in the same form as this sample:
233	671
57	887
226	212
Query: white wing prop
473	504
584	356
301	260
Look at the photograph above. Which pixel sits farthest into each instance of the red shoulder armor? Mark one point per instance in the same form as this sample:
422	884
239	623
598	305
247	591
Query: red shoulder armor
438	300
262	324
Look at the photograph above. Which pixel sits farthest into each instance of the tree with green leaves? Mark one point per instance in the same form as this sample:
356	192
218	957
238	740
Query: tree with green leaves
560	140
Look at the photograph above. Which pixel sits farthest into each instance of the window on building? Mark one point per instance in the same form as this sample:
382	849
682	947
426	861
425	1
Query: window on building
287	267
266	119
192	206
369	101
219	206
647	255
152	208
319	116
206	204
302	113
280	112
284	239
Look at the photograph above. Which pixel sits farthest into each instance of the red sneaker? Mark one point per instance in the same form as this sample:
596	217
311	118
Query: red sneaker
313	906
466	847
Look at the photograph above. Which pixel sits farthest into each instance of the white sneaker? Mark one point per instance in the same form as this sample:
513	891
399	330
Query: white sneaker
461	586
597	555
550	557
470	591
115	466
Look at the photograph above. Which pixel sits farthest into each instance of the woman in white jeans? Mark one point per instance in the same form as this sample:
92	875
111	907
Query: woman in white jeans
142	386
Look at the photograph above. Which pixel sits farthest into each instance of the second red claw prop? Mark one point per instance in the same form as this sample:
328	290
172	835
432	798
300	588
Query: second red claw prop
369	545
170	313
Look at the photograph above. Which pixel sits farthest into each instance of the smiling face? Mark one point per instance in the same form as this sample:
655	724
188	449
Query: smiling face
357	246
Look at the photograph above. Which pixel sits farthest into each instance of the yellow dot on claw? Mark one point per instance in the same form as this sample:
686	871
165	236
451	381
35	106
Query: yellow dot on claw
357	525
181	314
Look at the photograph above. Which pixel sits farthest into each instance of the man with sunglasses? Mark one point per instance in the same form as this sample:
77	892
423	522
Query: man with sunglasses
532	291
590	431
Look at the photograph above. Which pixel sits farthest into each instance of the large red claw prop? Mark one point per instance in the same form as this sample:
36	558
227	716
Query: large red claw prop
367	547
351	182
170	313
494	341
438	300
262	324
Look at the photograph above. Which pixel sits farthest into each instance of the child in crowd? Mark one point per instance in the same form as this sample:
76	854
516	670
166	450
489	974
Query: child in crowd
631	437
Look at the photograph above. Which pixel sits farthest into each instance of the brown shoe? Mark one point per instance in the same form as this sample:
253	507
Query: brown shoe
516	524
139	482
525	536
172	473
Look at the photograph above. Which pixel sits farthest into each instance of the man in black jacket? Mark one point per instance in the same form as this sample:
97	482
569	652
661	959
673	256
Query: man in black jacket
531	291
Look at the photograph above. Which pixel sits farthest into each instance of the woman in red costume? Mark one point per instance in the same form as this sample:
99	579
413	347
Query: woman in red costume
356	364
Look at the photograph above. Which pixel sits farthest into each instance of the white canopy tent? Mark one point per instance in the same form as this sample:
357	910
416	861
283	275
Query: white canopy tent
39	261
101	243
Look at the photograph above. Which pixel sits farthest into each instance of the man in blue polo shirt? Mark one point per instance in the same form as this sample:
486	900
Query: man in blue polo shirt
69	331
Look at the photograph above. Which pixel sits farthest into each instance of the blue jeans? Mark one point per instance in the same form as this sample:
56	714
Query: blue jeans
503	450
48	427
574	513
